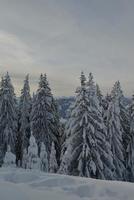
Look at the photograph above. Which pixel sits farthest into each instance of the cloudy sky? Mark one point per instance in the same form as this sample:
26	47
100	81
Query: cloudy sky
63	37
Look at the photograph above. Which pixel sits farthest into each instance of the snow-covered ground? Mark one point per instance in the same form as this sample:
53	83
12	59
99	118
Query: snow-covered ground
18	184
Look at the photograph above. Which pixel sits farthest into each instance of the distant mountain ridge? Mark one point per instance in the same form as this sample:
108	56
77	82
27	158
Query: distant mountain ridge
65	102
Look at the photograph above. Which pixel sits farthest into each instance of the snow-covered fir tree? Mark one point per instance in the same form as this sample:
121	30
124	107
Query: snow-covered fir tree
33	159
44	117
65	158
1	156
124	114
24	120
105	104
99	94
115	133
96	106
25	159
53	166
44	165
130	148
124	119
9	159
67	130
62	131
87	151
25	109
8	114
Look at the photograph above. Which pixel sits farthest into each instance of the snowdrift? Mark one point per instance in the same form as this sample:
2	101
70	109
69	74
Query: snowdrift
18	184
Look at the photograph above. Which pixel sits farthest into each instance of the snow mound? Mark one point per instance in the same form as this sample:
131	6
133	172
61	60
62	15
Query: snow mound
54	182
32	185
21	178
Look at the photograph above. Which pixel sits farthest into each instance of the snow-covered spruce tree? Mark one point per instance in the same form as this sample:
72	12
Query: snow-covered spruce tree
62	131
9	159
56	128
66	159
1	146
115	133
1	156
86	143
53	166
105	105
67	129
25	159
44	119
130	148
8	114
33	159
124	120
99	94
124	115
44	165
24	120
100	129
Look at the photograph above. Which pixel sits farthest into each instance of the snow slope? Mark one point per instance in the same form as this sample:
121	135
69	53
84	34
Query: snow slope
18	184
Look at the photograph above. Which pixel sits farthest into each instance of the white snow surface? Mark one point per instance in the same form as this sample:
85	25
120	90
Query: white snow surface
19	184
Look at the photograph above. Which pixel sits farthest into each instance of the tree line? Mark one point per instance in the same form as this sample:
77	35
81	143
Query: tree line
96	141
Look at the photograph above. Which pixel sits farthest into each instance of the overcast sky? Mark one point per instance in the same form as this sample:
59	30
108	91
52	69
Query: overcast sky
63	37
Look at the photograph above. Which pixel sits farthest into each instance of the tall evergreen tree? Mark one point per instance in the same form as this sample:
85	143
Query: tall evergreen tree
105	105
115	133
86	144
25	109
130	148
53	166
25	159
99	94
96	105
62	131
33	159
8	114
44	118
67	130
24	120
124	119
43	159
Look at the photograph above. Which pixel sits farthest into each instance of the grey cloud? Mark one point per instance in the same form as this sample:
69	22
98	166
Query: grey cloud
62	38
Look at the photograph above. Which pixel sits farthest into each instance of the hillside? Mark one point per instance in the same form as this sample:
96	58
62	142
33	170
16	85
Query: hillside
33	185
